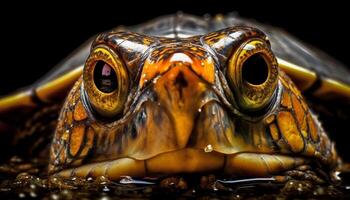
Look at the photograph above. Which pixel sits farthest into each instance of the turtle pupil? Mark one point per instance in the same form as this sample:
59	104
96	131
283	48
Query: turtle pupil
105	77
255	70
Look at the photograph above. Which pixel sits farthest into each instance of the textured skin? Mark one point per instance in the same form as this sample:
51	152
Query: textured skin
185	104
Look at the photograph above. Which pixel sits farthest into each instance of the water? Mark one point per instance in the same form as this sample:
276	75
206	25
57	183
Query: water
28	180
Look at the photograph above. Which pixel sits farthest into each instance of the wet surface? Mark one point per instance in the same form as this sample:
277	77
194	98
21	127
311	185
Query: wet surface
28	180
25	177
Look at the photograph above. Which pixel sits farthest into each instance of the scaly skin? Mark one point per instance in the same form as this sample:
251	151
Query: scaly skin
183	114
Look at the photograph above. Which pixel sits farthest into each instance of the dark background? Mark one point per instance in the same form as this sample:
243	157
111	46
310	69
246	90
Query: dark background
37	35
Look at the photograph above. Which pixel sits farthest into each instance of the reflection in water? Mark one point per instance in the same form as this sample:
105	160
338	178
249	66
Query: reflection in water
20	179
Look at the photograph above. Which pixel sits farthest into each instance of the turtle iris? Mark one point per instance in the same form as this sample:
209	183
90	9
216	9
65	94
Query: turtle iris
105	77
255	70
106	82
252	75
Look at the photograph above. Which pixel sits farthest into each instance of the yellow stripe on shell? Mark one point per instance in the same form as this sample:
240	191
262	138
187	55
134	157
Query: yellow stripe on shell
44	92
305	78
21	99
48	90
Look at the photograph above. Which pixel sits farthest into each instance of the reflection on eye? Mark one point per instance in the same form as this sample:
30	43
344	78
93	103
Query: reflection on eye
105	77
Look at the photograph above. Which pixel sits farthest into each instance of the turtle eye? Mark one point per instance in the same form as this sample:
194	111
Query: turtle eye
252	74
106	82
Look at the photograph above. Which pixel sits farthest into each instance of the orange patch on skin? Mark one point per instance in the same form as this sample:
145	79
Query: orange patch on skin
203	68
300	115
289	130
274	132
76	139
79	112
89	142
312	128
286	102
270	119
69	117
62	156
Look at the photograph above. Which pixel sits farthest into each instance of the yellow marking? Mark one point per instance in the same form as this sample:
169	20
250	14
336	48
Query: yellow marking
330	87
21	99
303	77
48	90
285	101
289	130
274	132
79	112
44	92
76	139
270	119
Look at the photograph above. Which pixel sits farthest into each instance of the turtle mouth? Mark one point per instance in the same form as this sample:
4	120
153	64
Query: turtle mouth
188	160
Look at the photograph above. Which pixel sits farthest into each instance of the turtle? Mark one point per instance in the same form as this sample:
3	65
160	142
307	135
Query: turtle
183	94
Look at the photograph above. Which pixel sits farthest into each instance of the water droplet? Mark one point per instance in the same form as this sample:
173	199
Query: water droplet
199	110
74	178
33	194
89	179
155	80
103	180
32	186
65	135
54	196
21	195
208	148
105	198
126	180
105	189
336	175
347	187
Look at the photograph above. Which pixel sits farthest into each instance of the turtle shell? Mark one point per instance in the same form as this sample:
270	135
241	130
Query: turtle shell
313	71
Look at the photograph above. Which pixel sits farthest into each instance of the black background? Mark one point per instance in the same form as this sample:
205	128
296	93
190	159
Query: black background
37	35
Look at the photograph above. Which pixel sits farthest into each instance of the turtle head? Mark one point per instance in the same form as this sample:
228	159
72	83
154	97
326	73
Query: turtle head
148	105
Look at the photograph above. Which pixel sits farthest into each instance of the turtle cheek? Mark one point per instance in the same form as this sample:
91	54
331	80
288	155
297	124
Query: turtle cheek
73	136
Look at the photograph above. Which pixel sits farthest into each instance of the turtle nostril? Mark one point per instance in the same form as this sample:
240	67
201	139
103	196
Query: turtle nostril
180	81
